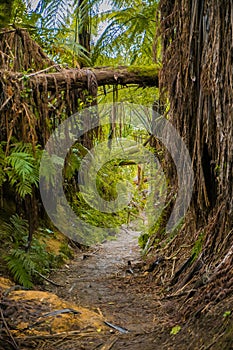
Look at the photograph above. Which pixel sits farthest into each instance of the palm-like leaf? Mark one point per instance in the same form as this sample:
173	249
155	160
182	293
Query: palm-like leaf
129	31
74	50
57	13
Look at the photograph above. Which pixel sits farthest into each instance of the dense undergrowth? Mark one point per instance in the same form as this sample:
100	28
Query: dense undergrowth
27	266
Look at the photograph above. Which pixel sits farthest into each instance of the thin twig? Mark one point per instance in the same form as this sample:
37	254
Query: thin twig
4	103
48	280
173	267
40	71
214	341
61	334
100	312
8	330
109	344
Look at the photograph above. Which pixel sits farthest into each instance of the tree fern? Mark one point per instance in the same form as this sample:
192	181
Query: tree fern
129	30
55	13
72	50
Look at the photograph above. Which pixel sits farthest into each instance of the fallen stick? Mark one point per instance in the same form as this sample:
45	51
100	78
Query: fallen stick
117	328
8	331
109	344
48	280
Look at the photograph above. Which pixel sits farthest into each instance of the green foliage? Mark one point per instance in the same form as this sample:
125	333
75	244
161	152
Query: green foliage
129	94
65	252
143	239
127	39
21	266
21	168
18	261
64	27
25	265
106	181
56	13
94	217
66	49
6	12
60	23
175	330
16	230
198	246
73	161
17	13
130	32
227	313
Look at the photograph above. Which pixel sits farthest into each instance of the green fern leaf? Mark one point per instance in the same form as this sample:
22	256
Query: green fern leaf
22	168
16	230
21	266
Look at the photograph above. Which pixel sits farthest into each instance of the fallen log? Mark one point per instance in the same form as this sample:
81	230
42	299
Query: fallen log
87	78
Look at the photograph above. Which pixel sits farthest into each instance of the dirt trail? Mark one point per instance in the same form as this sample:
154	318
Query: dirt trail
101	280
98	280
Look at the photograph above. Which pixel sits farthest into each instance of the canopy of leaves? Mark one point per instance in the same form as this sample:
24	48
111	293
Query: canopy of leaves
88	32
129	32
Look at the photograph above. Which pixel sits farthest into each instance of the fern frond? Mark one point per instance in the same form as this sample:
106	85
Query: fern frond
57	13
16	229
22	169
21	266
74	48
129	32
23	189
22	163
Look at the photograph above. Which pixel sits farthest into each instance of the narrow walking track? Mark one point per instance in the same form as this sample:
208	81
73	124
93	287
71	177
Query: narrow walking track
102	304
101	280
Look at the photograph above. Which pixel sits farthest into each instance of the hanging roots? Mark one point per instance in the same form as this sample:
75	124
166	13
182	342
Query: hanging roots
196	77
31	108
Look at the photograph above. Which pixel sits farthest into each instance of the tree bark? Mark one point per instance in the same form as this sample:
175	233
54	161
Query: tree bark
197	78
79	78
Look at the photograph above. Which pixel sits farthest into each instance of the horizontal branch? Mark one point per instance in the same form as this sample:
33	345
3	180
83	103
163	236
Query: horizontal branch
87	78
126	75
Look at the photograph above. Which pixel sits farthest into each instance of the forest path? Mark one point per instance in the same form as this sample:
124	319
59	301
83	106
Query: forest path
100	280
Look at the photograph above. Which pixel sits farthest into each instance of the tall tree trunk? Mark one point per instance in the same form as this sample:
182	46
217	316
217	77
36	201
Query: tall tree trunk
197	79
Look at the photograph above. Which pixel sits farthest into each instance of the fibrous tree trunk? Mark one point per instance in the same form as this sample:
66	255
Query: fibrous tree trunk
197	79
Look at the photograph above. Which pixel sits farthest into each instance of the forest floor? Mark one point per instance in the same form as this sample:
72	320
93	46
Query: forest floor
117	308
100	279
